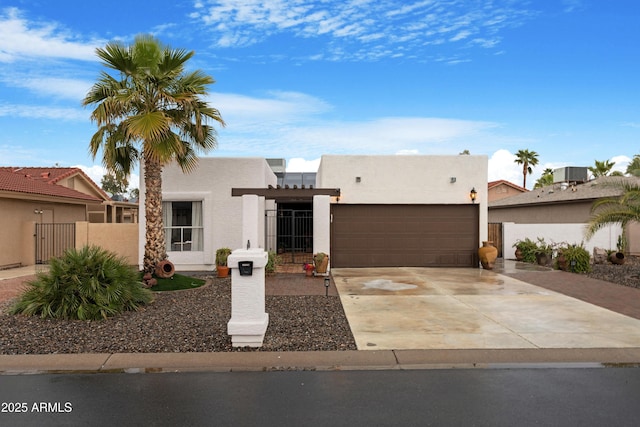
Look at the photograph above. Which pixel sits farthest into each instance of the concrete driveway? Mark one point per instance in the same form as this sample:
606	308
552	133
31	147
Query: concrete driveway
454	308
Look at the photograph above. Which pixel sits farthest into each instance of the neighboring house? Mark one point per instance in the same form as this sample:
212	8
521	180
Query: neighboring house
558	213
363	210
502	189
41	206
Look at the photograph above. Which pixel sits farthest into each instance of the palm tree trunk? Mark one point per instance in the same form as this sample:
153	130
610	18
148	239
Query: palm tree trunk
154	248
524	175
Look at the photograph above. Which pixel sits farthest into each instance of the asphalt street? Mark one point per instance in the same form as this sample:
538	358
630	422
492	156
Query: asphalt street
523	396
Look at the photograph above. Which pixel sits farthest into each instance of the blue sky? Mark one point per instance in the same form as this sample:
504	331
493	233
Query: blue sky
300	78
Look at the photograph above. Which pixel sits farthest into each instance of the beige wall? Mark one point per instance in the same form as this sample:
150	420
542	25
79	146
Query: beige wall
543	214
502	191
18	226
119	238
407	179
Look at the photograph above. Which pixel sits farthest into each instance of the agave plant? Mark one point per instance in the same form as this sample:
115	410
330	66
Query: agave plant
86	284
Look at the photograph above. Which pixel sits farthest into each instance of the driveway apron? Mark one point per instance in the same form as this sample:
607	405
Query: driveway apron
466	308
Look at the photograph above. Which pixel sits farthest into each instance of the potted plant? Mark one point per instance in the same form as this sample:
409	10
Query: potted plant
544	252
574	258
221	261
308	269
321	262
525	250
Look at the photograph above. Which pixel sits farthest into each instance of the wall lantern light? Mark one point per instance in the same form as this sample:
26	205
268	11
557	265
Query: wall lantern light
473	194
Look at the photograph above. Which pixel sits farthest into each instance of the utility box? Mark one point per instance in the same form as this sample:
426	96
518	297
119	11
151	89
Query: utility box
249	321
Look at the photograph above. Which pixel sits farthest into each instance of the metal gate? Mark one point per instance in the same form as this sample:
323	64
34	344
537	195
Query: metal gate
290	232
52	240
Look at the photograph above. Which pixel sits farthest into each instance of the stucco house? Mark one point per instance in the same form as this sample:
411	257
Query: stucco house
558	213
41	207
362	210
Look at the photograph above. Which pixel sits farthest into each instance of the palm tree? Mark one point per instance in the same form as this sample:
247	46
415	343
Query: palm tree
633	168
152	111
527	159
545	179
616	210
601	168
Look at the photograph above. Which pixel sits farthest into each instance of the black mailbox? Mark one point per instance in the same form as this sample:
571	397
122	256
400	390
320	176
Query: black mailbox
245	267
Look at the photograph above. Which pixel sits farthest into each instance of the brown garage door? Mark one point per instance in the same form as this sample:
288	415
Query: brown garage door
404	235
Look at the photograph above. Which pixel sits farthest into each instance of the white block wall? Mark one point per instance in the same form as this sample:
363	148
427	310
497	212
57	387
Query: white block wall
557	233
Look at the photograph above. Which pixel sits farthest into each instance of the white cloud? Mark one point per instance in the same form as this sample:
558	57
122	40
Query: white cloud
298	164
621	163
60	87
42	112
21	39
377	28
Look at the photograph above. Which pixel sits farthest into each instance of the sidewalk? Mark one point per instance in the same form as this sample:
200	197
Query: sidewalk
317	361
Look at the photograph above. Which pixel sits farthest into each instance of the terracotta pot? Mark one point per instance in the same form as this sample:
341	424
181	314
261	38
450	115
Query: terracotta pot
519	256
165	269
487	254
617	258
308	273
222	270
562	262
542	258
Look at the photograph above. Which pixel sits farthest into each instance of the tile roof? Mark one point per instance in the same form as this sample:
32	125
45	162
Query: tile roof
492	184
43	181
591	190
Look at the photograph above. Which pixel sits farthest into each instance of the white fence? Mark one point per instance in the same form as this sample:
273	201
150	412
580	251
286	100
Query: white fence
557	233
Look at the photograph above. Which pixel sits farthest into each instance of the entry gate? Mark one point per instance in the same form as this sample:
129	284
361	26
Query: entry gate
52	240
290	232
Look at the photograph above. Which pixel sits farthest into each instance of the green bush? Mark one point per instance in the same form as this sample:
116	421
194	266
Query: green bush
272	262
576	253
86	284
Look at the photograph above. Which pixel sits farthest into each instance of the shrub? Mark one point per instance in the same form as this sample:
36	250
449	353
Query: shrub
272	262
528	249
576	253
86	284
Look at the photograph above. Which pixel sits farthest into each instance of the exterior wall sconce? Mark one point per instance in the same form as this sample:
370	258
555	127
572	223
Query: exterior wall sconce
452	179
37	211
358	179
473	194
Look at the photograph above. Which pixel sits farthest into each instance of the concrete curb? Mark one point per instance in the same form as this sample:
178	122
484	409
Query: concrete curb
316	360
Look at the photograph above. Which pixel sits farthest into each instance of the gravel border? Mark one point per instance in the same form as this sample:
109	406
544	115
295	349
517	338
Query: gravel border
193	320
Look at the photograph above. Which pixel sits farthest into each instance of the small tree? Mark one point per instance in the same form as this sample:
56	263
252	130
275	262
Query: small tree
114	183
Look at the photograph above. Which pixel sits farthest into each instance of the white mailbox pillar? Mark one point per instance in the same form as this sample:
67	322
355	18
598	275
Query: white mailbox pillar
249	321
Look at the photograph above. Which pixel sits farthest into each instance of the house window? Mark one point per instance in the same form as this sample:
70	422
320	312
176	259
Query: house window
183	226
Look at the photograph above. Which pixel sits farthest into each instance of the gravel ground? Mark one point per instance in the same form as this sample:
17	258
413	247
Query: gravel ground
183	321
627	274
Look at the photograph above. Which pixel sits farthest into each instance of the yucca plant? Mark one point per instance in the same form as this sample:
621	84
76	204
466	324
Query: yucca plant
87	284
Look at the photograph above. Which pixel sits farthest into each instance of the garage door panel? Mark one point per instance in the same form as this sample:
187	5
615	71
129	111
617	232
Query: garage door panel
404	235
